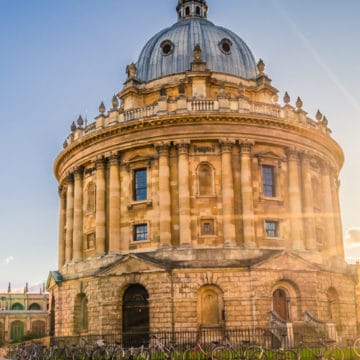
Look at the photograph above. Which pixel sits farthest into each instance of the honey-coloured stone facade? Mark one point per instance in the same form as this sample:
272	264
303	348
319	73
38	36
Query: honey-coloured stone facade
199	201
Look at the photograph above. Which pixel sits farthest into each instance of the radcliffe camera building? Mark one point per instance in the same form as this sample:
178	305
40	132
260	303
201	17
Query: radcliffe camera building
199	199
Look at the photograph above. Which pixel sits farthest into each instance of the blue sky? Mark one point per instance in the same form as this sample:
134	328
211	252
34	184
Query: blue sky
62	58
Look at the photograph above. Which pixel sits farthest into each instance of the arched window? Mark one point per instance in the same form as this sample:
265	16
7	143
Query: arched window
333	305
198	10
34	306
16	330
38	328
210	306
135	316
205	175
90	198
81	313
187	11
281	303
17	306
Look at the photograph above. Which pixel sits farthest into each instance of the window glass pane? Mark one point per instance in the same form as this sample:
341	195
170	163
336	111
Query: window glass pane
271	228
140	232
140	185
268	181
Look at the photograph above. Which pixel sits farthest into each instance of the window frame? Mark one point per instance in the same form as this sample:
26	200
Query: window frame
264	183
276	230
140	184
134	225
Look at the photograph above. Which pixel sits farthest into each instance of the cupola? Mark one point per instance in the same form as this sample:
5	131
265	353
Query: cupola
191	8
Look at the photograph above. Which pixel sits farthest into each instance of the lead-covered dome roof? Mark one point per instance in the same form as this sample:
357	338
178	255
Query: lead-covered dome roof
171	50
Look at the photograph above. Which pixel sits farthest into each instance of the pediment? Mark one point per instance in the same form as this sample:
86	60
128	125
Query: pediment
54	278
131	264
286	261
269	155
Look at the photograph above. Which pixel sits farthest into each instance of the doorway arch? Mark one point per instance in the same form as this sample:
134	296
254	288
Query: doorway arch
136	324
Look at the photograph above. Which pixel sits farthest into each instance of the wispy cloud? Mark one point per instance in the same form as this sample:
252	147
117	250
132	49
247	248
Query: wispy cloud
8	260
318	58
352	238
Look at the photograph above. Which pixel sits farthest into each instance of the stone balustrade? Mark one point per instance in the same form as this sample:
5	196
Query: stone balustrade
238	106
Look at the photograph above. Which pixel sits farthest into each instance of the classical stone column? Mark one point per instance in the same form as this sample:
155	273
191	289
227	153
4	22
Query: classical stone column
100	217
114	204
307	190
227	182
328	208
184	194
247	195
164	195
295	207
69	218
335	184
62	223
78	215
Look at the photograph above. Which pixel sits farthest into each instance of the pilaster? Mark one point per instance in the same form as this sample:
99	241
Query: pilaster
247	194
100	206
114	204
295	206
227	181
184	194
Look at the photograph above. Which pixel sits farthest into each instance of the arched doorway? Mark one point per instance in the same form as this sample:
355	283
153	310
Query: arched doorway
135	316
17	330
280	303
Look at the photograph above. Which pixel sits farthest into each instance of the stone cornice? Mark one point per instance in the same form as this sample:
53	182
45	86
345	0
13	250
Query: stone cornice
165	122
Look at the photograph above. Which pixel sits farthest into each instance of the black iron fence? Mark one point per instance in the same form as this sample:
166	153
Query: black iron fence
269	338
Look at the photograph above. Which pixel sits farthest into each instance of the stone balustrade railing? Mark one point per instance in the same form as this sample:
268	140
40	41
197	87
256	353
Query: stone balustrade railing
236	106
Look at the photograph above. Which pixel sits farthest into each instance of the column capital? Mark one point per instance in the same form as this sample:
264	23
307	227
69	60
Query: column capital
113	159
246	146
70	178
226	145
163	148
183	147
292	154
100	162
61	190
78	172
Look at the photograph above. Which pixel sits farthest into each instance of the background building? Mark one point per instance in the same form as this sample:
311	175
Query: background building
198	201
23	315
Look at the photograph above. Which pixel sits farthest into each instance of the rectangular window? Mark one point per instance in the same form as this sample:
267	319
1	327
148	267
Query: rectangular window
207	227
268	180
140	232
271	228
90	241
140	185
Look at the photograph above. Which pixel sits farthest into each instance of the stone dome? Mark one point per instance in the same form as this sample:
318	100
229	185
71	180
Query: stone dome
171	50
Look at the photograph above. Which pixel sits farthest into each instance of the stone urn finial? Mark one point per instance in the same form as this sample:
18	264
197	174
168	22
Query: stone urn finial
102	108
261	66
286	98
325	121
73	126
197	53
80	121
115	102
131	71
299	103
318	115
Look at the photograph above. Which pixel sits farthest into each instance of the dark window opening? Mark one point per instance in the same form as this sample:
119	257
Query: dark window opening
268	181
140	232
140	185
187	11
197	11
225	46
167	47
271	228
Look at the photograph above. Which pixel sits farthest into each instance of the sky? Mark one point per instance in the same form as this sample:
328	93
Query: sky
59	59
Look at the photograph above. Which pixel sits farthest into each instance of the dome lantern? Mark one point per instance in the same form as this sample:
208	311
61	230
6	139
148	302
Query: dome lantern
191	8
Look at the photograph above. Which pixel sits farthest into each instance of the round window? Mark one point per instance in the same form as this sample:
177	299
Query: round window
225	46
167	47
